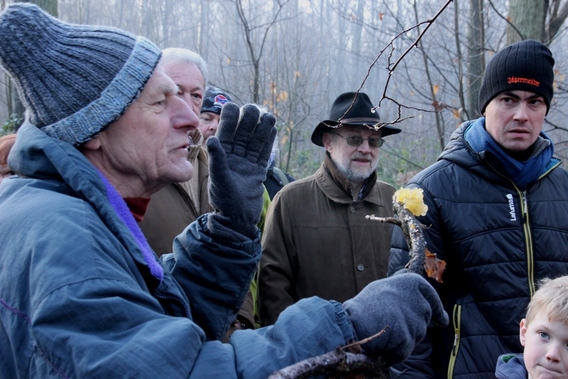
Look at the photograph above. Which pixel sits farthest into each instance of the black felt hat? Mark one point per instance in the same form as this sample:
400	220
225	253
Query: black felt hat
524	66
360	114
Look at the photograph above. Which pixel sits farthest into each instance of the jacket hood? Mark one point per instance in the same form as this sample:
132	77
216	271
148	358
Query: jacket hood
511	366
455	146
37	155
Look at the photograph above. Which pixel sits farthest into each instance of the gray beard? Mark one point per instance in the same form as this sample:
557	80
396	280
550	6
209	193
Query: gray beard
351	175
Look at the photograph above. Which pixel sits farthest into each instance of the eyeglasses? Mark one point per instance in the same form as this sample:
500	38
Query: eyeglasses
358	140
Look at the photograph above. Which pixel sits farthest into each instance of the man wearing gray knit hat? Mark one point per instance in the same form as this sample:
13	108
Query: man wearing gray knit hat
497	203
82	295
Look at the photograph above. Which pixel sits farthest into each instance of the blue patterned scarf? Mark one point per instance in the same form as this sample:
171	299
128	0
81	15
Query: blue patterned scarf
521	173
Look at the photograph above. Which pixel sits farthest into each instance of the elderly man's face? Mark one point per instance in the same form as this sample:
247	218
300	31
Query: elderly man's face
190	81
356	163
515	118
146	147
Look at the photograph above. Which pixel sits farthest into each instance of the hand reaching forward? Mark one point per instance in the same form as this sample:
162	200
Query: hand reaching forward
404	305
238	156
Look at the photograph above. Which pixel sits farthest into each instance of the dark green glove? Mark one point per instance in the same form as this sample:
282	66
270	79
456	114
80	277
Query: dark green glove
405	304
238	156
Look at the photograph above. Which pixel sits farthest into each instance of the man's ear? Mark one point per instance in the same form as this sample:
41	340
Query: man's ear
523	331
326	140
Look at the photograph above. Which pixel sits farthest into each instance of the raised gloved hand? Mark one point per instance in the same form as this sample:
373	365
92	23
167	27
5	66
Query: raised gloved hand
238	156
405	304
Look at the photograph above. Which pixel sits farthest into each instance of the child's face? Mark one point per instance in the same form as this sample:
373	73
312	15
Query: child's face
546	347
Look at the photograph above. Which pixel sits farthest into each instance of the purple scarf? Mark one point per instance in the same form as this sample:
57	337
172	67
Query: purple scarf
121	209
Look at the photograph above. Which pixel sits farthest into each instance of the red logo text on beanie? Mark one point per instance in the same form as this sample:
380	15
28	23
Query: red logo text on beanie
515	80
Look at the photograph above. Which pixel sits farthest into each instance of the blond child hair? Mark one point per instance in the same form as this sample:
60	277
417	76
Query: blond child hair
552	298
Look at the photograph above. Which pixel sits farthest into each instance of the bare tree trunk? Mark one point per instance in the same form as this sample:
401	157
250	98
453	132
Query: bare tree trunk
476	61
460	57
204	25
557	17
432	87
527	19
255	49
357	31
251	50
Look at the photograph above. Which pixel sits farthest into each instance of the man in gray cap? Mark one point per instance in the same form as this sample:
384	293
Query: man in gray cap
82	295
316	240
497	204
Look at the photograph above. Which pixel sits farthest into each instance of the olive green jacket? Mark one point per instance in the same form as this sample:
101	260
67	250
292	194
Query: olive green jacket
317	241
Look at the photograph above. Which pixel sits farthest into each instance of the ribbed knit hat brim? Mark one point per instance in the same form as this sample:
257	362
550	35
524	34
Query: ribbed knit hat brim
74	80
525	66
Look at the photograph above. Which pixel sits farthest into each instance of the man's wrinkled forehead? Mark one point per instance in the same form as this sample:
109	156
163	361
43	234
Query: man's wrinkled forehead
182	71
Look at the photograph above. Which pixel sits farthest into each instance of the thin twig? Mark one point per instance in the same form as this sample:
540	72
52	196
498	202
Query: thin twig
391	67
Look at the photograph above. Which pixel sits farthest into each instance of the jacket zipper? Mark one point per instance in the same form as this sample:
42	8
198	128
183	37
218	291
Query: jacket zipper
528	242
178	300
527	228
456	320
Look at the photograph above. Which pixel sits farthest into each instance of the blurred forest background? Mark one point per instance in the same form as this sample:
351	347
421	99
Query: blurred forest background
297	56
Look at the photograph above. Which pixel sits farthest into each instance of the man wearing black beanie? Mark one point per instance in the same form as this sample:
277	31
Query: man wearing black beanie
497	203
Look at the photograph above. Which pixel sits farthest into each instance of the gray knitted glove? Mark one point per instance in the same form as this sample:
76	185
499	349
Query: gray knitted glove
405	304
238	156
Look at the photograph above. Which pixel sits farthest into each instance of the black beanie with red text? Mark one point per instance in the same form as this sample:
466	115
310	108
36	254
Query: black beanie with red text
524	66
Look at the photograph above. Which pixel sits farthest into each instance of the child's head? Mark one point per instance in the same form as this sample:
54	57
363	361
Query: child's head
544	332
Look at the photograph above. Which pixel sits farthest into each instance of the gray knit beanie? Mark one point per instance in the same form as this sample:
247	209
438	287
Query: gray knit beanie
74	80
524	66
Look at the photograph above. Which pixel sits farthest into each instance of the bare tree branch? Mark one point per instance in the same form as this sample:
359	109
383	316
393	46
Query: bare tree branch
256	55
391	67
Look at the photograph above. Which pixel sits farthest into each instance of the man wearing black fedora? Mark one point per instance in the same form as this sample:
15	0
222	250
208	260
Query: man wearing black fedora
316	240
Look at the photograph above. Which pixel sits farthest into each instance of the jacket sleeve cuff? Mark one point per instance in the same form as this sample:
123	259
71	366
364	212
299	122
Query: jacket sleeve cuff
213	225
343	321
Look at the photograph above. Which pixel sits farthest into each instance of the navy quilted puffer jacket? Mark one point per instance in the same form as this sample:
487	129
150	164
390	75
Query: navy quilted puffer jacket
498	242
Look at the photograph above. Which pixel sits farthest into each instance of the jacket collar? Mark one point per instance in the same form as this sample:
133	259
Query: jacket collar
36	155
458	151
